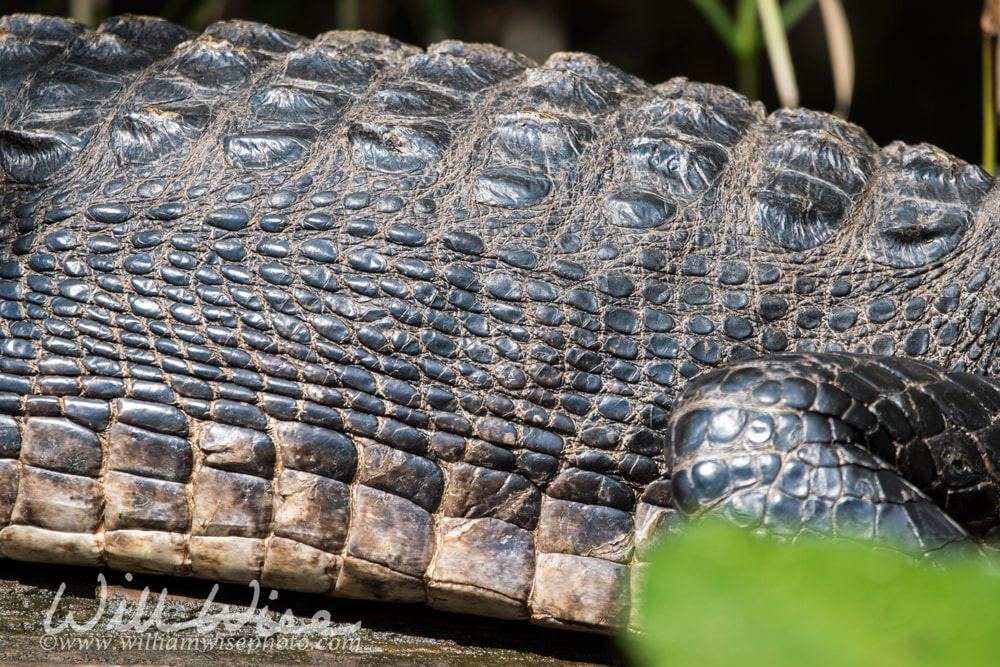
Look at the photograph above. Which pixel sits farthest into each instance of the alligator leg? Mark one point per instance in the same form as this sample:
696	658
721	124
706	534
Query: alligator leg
884	450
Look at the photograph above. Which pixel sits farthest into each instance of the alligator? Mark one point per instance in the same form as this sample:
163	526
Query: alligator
350	317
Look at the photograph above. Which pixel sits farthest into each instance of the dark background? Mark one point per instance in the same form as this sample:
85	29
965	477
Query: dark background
917	61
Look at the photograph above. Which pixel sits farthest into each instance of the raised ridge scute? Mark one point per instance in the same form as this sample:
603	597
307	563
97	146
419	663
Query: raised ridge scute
141	137
50	30
417	101
396	149
925	208
105	52
595	69
264	150
445	69
213	63
328	66
816	166
33	156
366	43
147	33
510	187
567	90
256	36
637	209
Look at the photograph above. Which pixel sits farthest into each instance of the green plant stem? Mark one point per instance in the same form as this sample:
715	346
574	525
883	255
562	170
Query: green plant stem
438	15
989	110
741	33
348	15
86	11
746	43
838	39
746	76
777	51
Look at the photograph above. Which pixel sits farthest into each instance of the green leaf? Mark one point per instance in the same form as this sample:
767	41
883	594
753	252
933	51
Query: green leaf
719	18
794	11
719	596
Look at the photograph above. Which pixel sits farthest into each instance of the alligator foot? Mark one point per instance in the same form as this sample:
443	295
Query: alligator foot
889	451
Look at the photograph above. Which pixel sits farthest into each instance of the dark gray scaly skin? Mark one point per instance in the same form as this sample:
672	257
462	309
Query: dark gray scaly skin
349	317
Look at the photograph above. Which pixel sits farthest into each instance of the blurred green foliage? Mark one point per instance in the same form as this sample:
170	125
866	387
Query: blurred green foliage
741	33
720	596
